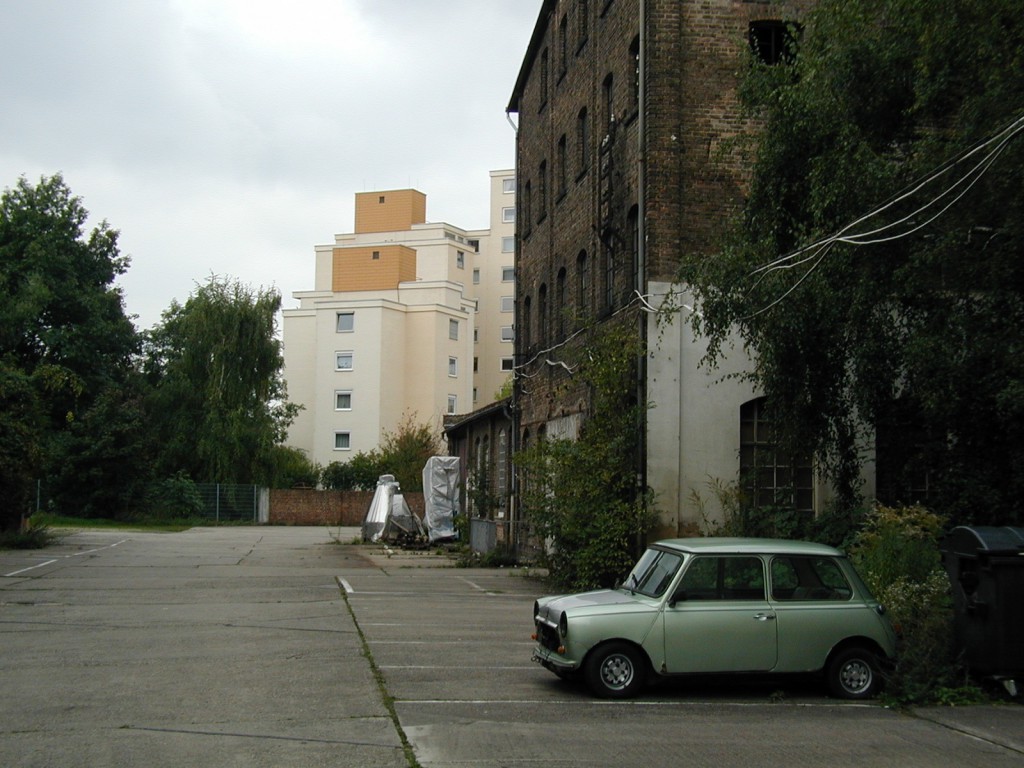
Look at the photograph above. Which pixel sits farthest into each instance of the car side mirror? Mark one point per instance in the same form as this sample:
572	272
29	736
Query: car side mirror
679	596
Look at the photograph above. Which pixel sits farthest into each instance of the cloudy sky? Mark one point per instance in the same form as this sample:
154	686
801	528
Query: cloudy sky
229	137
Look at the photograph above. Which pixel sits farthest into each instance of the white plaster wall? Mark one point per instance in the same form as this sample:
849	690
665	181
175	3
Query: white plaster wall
693	427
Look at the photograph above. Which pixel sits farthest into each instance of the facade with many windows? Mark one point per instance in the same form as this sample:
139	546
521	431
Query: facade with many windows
406	319
625	109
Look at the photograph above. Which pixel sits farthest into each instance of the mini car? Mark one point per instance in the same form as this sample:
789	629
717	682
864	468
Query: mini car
721	605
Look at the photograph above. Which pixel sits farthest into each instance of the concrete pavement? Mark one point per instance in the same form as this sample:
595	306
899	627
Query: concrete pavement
279	646
217	646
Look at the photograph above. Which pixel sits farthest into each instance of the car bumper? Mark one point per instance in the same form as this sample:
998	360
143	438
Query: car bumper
553	661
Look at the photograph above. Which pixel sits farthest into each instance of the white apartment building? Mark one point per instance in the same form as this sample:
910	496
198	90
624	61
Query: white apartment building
406	319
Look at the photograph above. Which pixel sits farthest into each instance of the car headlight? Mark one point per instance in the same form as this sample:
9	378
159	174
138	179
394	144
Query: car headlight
563	625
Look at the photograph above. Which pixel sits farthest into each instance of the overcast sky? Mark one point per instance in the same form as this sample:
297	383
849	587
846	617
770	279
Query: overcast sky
229	137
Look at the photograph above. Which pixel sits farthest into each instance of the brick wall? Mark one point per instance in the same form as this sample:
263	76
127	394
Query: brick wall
312	507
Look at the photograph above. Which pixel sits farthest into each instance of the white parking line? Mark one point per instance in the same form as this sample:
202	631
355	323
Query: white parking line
65	557
589	702
460	666
30	568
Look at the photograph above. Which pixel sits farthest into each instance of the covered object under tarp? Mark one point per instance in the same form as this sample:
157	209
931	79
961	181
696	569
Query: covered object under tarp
388	517
441	496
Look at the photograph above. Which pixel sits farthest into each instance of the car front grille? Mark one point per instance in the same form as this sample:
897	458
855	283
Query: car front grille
547	636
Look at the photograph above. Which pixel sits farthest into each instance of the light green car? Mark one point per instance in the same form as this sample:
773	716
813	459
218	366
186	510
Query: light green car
719	605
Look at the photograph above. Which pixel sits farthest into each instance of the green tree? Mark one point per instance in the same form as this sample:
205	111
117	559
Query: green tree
21	433
66	345
364	469
338	476
218	398
876	272
294	469
402	453
107	454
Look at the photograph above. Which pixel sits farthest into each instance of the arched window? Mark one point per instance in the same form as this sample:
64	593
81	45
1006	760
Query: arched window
608	255
634	57
526	219
583	139
582	286
542	190
633	233
501	469
769	477
542	314
607	103
560	305
560	169
525	331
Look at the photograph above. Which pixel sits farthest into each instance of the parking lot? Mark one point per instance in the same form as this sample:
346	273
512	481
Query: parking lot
282	646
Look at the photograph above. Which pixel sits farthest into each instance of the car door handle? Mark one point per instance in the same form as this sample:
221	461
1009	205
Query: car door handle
764	617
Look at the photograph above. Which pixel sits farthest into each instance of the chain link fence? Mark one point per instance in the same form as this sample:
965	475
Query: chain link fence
228	502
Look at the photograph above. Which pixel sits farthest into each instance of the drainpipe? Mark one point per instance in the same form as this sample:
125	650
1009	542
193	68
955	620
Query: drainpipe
642	239
512	520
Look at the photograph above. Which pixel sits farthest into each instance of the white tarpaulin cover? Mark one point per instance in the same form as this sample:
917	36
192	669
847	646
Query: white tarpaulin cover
441	496
379	511
388	517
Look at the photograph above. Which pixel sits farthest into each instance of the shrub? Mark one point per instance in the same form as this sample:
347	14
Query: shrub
292	468
581	496
896	551
33	535
176	497
736	516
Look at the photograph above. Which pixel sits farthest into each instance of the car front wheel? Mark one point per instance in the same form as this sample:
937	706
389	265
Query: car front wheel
615	671
853	674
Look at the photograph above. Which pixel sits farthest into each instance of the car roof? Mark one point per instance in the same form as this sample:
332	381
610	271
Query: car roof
726	545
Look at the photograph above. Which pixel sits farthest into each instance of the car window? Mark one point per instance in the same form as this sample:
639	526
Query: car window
724	578
653	573
808	578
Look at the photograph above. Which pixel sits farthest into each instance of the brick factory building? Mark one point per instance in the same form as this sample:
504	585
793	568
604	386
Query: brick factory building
625	109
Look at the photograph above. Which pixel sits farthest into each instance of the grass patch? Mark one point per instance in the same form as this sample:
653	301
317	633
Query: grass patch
48	520
378	676
34	536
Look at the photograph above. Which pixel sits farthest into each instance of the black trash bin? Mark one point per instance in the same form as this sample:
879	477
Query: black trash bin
986	569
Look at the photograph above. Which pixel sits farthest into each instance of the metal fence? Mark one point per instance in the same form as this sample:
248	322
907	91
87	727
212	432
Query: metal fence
226	502
483	535
515	536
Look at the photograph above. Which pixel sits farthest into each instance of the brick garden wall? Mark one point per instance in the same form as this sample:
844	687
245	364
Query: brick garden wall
312	507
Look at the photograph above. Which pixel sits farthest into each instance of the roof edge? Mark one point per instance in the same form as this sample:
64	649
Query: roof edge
539	30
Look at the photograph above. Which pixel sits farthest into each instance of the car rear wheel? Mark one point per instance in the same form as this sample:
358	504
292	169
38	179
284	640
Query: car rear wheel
615	671
853	674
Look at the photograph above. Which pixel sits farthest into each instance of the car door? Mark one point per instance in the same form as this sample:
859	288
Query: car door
720	619
814	610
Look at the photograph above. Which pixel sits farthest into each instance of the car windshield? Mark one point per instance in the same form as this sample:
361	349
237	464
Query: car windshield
653	573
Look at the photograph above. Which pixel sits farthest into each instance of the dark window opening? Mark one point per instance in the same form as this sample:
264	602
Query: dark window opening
768	477
582	286
774	41
583	139
634	55
544	76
